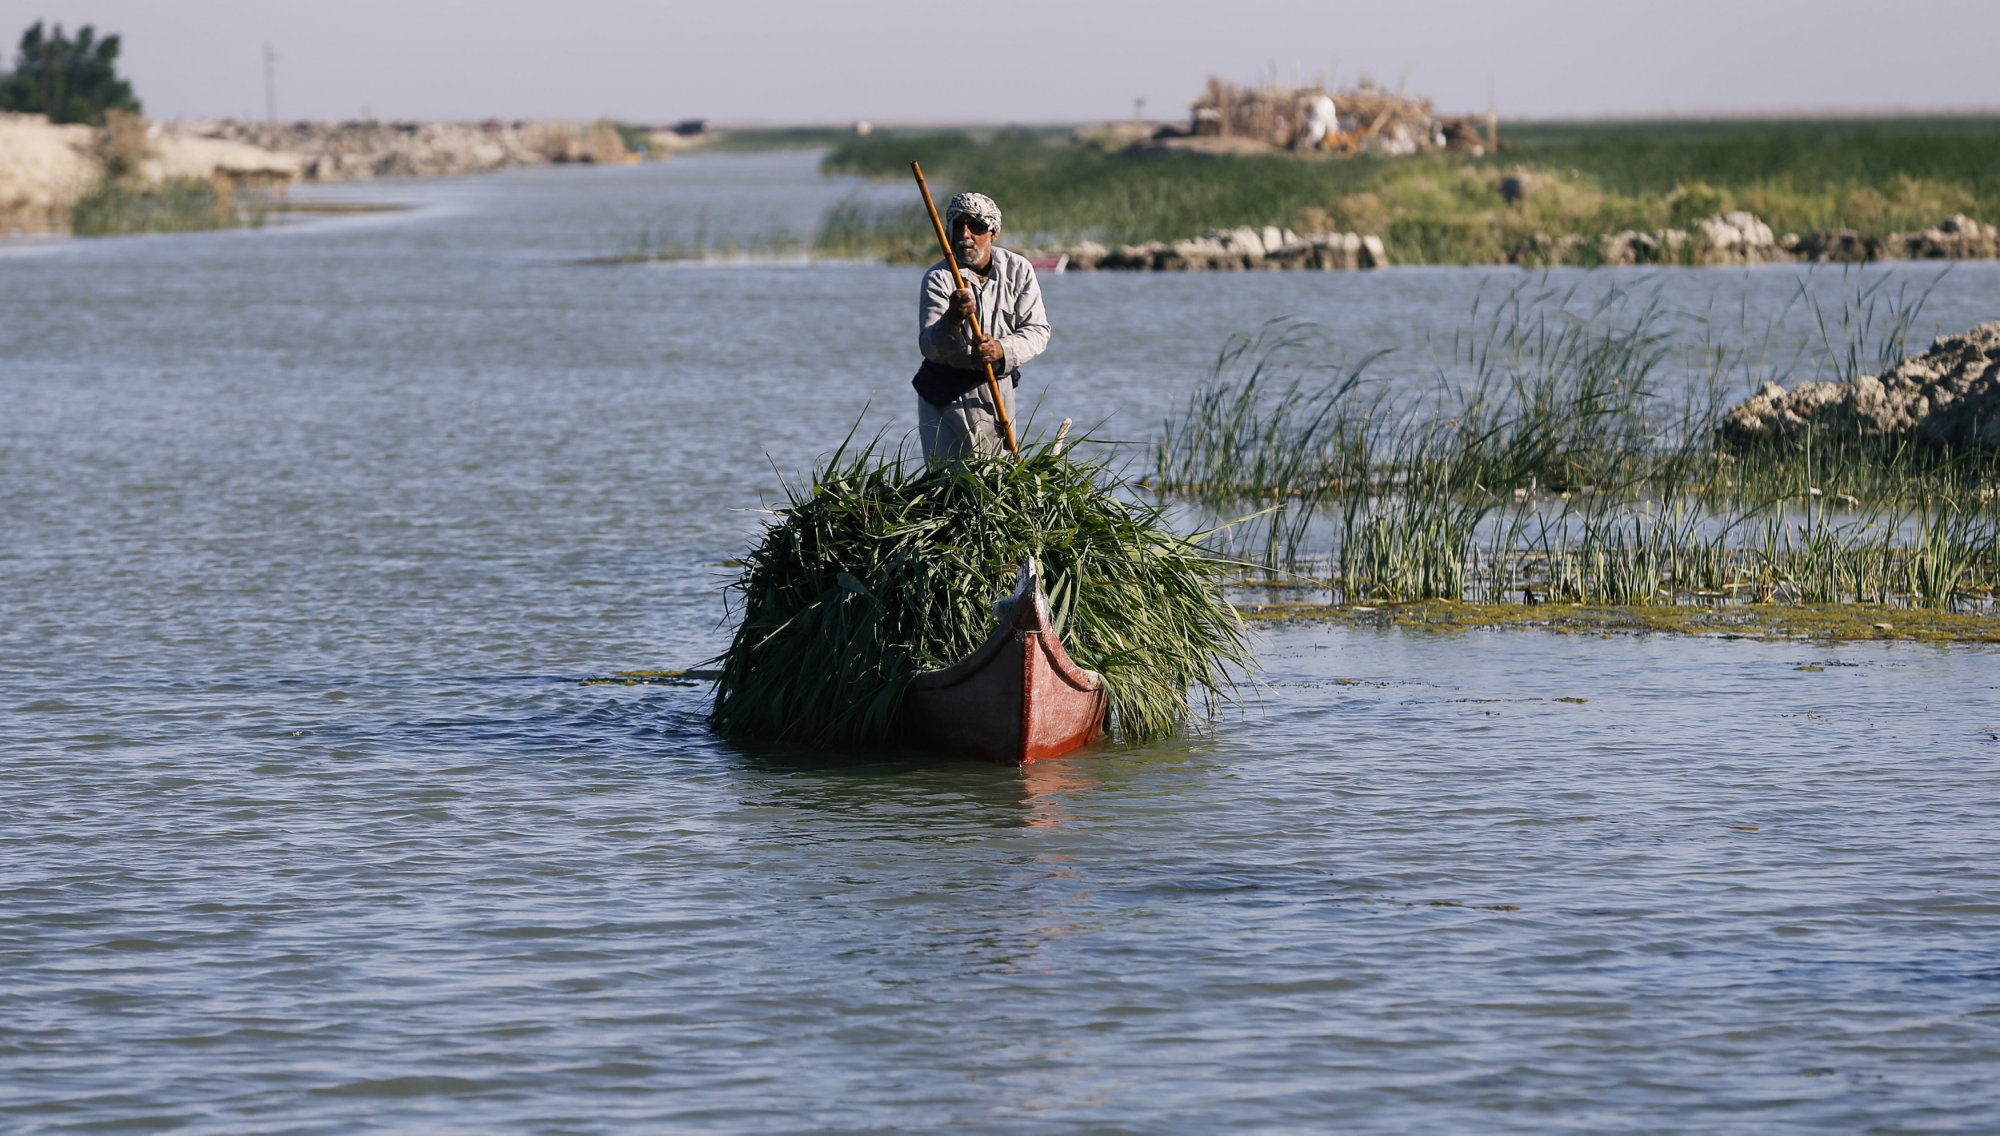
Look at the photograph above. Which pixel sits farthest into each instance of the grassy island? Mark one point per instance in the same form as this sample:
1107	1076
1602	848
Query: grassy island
1579	182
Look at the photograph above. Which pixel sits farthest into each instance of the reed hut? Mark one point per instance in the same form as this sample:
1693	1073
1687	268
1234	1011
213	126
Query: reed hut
1371	117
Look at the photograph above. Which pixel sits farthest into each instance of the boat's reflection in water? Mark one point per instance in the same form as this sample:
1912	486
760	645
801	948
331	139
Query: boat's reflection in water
1048	783
917	797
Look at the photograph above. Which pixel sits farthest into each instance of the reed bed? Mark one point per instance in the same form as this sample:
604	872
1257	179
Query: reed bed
879	568
181	205
670	243
1547	463
1939	558
900	234
851	230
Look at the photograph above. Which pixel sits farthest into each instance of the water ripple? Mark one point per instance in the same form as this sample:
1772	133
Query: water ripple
311	825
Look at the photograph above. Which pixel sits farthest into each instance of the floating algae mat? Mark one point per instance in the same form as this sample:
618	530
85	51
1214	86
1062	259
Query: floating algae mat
883	568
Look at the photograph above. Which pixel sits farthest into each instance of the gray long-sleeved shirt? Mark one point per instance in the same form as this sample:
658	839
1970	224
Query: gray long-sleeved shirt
1009	302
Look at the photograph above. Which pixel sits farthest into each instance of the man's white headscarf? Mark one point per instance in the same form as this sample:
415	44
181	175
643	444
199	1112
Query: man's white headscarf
977	206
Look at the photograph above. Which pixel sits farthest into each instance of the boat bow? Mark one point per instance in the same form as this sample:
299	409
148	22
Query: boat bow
1018	697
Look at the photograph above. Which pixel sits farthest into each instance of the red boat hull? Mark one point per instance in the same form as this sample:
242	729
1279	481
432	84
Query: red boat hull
1018	698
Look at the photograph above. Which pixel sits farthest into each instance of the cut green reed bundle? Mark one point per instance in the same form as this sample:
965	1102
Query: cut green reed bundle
880	568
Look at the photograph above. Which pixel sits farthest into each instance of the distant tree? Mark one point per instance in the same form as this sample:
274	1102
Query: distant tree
70	80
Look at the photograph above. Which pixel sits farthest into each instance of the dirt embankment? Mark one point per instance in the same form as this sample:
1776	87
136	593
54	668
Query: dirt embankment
45	169
353	151
1948	397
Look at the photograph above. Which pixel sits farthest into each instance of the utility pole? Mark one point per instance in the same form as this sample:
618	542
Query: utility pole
1492	118
270	84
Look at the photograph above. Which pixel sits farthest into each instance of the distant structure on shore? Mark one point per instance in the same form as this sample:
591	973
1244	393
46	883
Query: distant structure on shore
1365	118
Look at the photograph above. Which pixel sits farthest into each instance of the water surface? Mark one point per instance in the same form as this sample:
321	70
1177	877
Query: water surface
307	536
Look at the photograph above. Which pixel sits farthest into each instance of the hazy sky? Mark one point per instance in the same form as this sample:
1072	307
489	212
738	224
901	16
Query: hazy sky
1026	61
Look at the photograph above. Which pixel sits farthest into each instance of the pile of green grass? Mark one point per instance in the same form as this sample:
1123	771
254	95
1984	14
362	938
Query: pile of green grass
882	568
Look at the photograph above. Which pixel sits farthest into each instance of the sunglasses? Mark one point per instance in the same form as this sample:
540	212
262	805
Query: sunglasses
977	226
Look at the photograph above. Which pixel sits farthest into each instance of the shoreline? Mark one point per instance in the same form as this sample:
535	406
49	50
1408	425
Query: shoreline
1732	240
53	174
1839	623
1764	623
1740	192
267	159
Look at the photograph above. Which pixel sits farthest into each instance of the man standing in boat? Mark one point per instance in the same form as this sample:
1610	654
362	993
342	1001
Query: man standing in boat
955	411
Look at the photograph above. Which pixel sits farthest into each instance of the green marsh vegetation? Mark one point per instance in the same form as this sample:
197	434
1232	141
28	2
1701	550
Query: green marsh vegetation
1875	176
635	138
881	567
1569	452
122	203
117	207
671	243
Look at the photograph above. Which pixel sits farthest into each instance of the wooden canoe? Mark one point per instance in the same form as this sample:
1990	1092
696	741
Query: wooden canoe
1017	698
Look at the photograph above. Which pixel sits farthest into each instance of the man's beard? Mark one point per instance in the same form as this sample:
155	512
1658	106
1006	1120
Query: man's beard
968	252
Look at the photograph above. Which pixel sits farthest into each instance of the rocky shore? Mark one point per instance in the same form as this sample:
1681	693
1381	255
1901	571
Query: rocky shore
353	151
1235	250
1947	397
1727	239
47	168
1741	238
